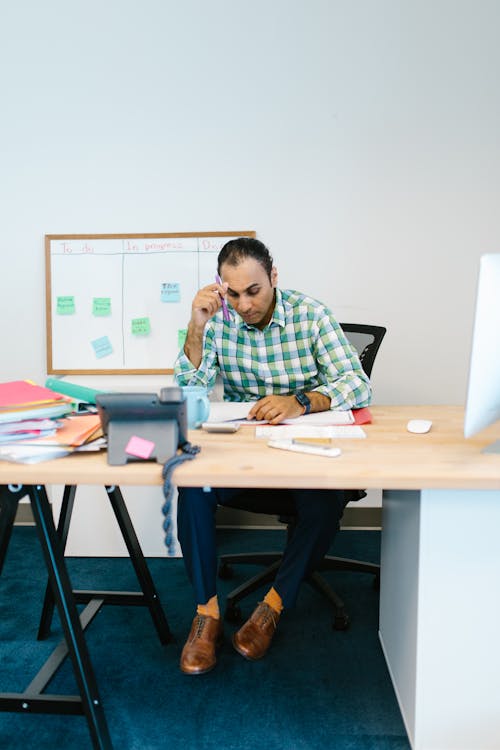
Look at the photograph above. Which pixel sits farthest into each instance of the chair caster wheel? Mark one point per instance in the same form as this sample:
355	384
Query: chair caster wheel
341	622
225	571
233	614
376	582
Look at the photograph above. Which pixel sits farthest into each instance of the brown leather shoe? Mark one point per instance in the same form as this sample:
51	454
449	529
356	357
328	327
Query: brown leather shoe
198	654
254	638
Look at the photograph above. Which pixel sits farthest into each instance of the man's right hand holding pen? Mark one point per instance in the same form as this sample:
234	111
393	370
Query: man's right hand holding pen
207	301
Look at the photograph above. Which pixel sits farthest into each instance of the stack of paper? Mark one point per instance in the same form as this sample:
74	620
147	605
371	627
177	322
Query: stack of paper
22	400
28	435
26	429
74	433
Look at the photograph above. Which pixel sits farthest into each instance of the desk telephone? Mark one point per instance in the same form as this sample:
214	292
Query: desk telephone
161	420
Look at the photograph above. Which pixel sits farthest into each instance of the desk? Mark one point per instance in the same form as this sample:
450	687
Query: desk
440	550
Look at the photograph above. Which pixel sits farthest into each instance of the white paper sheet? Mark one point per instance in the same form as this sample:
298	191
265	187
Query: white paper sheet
279	432
229	411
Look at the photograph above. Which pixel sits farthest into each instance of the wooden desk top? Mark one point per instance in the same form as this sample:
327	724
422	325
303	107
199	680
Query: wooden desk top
389	458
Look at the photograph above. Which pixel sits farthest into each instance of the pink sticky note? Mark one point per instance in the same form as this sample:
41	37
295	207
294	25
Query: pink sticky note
139	447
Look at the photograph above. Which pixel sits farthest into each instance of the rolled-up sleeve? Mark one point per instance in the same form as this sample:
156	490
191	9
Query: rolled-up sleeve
186	374
342	377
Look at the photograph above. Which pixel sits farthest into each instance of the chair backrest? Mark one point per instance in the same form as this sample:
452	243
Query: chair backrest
366	339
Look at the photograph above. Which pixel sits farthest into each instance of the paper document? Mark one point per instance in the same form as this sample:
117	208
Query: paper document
15	437
228	411
231	411
31	454
71	434
95	445
331	416
74	431
28	424
37	413
282	431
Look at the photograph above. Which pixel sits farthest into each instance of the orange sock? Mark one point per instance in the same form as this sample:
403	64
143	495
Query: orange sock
274	600
211	608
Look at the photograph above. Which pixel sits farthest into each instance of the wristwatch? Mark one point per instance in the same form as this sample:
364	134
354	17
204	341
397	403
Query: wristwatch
303	400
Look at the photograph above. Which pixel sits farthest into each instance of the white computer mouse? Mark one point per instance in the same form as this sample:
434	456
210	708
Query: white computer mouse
419	426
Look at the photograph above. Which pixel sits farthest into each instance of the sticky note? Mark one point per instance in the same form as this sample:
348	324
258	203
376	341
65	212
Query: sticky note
102	347
141	326
181	337
65	306
101	306
139	447
170	292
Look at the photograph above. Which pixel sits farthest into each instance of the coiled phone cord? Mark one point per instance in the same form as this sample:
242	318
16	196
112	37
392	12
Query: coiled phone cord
188	452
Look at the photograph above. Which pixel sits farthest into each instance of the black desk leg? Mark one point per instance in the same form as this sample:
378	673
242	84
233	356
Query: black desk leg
70	621
62	532
151	597
9	500
148	598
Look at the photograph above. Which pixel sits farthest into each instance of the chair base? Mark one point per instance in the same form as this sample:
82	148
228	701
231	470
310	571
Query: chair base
272	560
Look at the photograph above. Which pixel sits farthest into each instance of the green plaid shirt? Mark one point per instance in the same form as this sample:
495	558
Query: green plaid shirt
302	348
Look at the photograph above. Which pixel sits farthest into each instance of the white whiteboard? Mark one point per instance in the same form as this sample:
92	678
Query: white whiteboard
121	303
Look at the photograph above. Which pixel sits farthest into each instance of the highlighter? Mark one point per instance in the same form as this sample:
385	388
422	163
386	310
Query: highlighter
225	311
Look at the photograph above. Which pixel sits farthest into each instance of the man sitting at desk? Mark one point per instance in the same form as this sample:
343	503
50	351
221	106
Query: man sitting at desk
286	353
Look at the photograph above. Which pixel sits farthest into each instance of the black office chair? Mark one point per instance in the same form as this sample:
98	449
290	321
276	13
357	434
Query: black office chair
366	339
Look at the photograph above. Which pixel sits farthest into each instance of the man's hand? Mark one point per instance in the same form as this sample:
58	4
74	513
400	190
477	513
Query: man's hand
274	409
204	306
206	303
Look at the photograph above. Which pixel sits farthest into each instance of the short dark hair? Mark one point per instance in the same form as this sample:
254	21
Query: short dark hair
235	251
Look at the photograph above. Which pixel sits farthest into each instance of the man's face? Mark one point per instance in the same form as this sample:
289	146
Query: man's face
250	291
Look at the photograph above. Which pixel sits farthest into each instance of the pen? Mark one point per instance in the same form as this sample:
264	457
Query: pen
314	443
225	311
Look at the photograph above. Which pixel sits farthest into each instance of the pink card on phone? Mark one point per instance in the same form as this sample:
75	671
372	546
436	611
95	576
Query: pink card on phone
139	447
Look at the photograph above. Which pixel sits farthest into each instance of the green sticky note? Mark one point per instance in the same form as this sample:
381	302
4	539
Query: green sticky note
141	326
181	337
65	306
101	306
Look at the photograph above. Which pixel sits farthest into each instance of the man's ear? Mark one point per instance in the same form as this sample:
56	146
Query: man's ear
274	277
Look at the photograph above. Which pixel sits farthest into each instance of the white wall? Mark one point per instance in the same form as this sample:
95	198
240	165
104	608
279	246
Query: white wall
359	139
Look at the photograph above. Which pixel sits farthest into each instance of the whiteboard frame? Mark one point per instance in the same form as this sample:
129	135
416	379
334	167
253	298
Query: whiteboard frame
49	238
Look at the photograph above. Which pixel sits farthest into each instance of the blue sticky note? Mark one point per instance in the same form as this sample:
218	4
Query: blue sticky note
102	347
171	292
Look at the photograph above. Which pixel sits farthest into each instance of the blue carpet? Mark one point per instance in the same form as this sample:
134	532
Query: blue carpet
317	688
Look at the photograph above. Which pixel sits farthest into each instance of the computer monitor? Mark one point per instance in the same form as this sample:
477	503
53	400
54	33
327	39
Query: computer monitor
483	392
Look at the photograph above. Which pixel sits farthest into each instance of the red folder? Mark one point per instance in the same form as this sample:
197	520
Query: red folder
24	393
362	416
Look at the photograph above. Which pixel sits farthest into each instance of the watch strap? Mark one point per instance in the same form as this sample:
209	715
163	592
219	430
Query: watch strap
304	401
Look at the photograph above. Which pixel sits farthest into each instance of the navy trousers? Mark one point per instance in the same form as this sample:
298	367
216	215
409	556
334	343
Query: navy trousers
318	515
